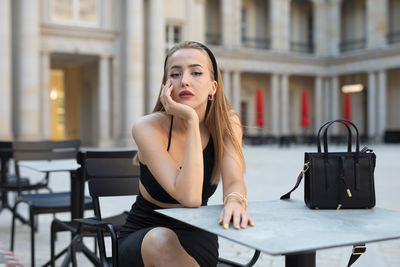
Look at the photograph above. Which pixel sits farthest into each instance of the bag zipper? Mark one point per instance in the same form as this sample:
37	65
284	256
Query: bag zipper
365	149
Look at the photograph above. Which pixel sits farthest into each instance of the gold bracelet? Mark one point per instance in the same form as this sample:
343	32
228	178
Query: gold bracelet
238	196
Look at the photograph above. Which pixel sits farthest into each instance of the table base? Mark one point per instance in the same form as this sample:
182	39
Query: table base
300	260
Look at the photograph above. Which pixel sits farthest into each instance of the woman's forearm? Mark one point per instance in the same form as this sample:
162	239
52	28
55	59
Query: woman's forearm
189	182
236	186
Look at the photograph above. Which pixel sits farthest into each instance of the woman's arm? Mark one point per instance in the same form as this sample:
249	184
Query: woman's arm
185	184
234	188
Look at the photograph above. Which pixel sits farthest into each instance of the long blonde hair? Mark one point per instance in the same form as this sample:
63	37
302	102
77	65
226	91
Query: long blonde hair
218	112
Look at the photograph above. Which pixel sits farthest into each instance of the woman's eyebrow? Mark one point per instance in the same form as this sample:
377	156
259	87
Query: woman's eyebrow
190	66
195	65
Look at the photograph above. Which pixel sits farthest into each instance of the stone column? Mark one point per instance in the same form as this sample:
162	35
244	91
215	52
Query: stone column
27	68
333	27
377	12
227	9
320	25
226	79
382	103
275	104
371	105
236	87
318	102
103	119
280	27
237	22
135	95
5	71
285	104
326	100
335	94
45	93
191	18
200	15
156	51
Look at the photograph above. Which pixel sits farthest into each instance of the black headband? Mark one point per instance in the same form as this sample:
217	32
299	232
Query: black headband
210	55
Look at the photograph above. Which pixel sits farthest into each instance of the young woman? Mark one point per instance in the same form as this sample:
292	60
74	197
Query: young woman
192	138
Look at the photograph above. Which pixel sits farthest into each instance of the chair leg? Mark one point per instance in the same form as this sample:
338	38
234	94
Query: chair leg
36	218
95	245
73	245
14	210
52	245
33	225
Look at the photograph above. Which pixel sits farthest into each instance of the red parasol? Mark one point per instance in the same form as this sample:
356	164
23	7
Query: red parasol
305	121
259	108
347	107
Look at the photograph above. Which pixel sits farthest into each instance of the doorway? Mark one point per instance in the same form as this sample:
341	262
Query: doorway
57	105
73	97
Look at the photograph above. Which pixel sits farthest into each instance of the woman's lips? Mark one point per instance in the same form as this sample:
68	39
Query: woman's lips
185	94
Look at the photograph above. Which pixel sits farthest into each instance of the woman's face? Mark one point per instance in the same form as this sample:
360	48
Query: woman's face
190	73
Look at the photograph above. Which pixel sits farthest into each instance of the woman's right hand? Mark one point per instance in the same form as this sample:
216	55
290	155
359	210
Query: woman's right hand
174	108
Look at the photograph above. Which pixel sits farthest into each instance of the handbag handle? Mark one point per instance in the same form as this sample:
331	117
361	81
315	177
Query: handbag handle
349	137
330	122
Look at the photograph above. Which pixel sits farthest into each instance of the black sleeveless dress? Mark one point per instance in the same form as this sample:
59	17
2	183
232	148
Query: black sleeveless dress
201	245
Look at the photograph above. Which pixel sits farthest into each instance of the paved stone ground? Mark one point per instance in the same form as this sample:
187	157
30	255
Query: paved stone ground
271	171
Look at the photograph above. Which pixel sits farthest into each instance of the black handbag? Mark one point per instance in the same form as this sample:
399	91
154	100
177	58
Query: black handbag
334	180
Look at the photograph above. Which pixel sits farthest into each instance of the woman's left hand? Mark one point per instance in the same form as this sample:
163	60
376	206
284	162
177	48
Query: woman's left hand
234	211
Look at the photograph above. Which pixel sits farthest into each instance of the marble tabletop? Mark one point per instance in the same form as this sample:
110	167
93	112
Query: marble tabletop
285	227
58	165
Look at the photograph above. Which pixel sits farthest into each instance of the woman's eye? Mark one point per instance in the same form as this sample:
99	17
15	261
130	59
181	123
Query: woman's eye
197	73
174	75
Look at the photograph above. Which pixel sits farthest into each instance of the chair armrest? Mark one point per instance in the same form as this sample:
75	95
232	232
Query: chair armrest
93	221
252	261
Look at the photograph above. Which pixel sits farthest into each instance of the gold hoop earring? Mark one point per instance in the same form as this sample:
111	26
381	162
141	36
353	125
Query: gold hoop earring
210	97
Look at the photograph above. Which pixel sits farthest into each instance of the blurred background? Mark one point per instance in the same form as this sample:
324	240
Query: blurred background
88	69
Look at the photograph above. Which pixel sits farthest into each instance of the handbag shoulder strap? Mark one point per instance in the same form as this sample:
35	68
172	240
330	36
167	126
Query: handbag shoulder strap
299	178
358	250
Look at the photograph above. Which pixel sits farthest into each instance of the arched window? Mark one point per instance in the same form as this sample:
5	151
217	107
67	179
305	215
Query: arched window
394	21
255	24
353	25
301	26
213	22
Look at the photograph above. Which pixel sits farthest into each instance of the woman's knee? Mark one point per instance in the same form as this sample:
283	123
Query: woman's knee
160	241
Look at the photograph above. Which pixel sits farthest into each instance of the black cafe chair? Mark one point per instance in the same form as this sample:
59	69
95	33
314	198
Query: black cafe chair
107	177
11	183
43	203
116	177
117	220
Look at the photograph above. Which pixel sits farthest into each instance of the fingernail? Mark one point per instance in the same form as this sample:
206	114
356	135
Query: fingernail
226	226
252	224
237	227
244	226
219	221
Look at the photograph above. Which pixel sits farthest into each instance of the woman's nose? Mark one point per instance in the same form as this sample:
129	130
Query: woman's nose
185	81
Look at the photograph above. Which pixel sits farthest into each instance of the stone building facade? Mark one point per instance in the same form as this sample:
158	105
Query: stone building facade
89	68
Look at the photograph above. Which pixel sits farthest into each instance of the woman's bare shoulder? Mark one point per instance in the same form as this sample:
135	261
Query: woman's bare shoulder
234	118
150	125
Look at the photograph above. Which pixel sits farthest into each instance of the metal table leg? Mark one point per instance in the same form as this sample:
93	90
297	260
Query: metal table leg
300	260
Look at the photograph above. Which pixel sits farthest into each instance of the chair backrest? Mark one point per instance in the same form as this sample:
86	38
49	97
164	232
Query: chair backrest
5	150
45	150
113	176
109	173
42	150
5	156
